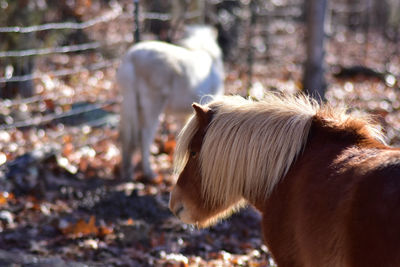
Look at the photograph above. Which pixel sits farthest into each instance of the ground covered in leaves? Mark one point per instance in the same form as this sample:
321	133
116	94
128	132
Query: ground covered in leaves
62	204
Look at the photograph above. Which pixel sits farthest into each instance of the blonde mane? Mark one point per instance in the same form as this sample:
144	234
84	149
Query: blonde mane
250	145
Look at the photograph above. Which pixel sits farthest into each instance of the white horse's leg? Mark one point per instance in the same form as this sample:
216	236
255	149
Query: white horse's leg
129	123
147	137
128	147
151	110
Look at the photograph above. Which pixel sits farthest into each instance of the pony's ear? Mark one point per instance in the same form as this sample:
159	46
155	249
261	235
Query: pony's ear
203	114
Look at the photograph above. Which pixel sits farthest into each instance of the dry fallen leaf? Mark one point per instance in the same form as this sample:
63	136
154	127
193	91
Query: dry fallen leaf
105	230
81	228
5	197
169	146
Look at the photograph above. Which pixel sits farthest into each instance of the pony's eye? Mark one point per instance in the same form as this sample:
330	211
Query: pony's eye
193	153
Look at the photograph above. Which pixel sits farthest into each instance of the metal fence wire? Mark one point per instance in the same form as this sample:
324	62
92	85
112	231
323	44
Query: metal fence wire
115	13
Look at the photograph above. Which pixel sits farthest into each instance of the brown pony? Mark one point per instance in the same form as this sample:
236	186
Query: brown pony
326	184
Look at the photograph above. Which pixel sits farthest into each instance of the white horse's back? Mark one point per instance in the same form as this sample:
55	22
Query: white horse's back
155	77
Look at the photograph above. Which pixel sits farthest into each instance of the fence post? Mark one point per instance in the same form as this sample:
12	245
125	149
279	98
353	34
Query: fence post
313	75
253	5
136	16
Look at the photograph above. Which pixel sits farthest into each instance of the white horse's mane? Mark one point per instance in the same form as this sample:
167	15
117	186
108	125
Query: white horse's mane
250	145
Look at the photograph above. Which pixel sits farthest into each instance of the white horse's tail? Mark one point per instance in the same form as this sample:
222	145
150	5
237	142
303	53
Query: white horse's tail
130	122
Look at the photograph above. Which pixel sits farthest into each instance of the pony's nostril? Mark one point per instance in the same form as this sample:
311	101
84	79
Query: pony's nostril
178	210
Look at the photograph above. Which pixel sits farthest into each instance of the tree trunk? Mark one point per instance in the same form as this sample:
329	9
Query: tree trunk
313	77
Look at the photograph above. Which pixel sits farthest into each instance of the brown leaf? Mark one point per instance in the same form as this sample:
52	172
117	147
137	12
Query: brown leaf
68	149
130	221
67	138
49	104
3	199
105	230
169	146
157	240
83	164
81	228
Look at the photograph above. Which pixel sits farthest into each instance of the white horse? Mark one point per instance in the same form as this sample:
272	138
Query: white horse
156	77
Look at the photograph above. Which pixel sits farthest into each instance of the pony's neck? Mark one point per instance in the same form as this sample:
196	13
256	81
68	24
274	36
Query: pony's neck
324	143
351	133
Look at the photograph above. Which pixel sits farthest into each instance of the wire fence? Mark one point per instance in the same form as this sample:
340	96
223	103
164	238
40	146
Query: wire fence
58	114
41	120
109	16
44	119
62	72
116	13
102	19
112	15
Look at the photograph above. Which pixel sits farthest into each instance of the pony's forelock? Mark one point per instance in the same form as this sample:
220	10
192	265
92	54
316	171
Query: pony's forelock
181	154
185	136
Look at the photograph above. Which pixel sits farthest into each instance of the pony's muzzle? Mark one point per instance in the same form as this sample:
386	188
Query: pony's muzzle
179	207
178	210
